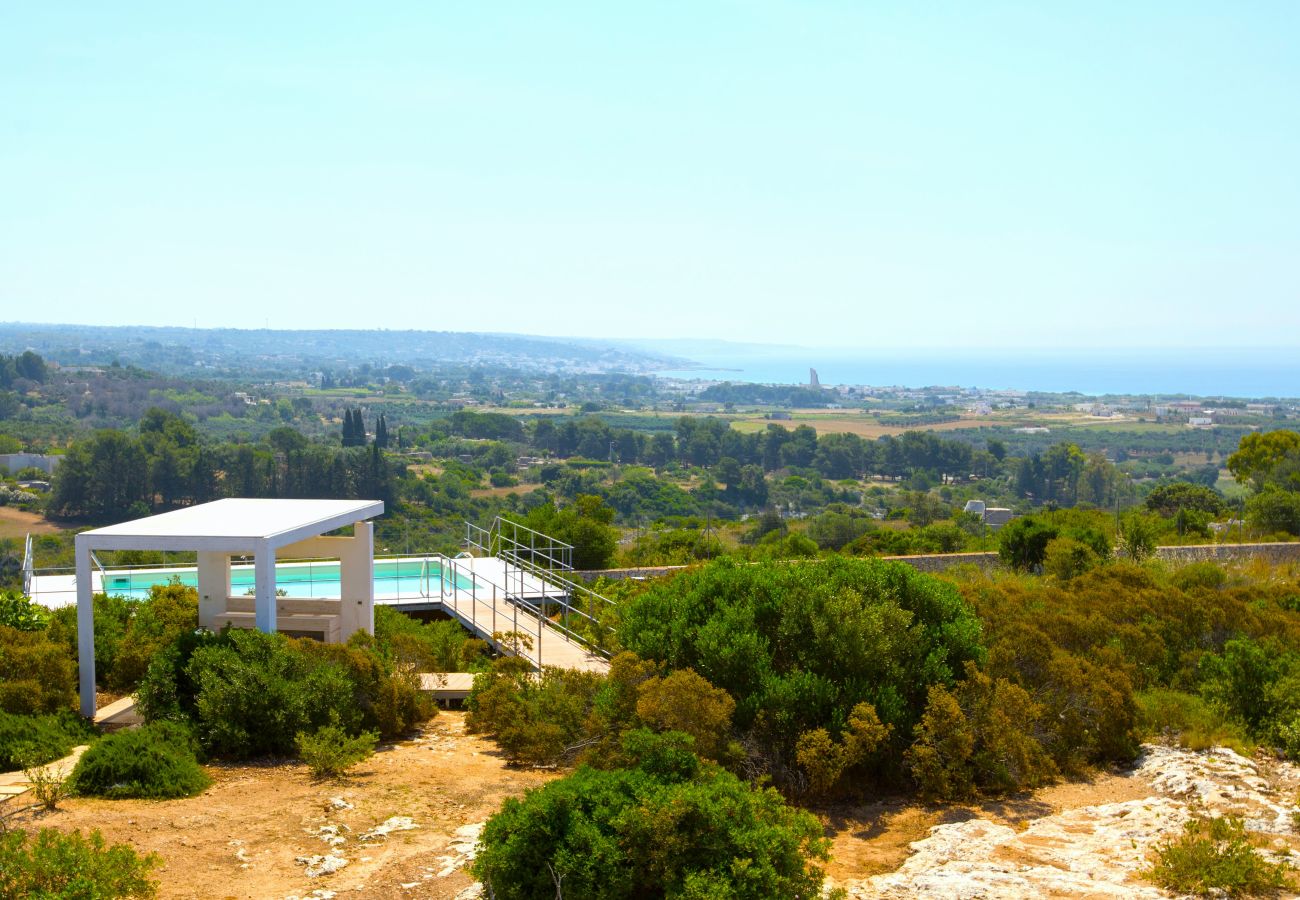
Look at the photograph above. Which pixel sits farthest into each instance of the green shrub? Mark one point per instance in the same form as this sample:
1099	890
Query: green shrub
535	719
1196	724
248	694
331	751
112	613
1066	558
426	646
36	740
798	646
1213	857
37	675
53	864
687	829
170	610
154	762
21	613
978	737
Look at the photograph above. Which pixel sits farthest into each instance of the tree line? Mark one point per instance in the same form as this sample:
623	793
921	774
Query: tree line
113	474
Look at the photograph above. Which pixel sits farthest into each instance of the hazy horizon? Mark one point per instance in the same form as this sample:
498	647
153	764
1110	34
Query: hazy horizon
1103	176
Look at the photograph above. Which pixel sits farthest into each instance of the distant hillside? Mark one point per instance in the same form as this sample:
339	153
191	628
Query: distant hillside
233	351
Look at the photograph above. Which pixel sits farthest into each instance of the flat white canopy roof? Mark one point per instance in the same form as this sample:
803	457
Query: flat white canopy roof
232	524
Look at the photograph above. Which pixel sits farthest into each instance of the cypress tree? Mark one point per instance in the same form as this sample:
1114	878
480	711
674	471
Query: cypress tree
381	432
360	425
349	433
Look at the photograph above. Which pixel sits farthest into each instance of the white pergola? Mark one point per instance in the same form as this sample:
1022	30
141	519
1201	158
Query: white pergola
218	530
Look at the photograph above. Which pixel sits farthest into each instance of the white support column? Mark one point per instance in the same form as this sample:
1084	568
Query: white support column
357	581
85	628
214	585
264	574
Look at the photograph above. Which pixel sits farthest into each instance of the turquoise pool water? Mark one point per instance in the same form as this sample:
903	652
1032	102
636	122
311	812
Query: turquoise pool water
406	578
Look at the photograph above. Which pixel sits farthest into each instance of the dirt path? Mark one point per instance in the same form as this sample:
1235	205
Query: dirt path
245	836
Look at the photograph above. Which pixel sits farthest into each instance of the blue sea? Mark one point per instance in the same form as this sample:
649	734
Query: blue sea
1270	372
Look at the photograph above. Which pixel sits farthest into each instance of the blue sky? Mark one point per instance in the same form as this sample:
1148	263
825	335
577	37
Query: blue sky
940	174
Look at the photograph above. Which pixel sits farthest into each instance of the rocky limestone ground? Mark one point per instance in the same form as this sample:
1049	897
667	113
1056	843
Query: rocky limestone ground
1054	845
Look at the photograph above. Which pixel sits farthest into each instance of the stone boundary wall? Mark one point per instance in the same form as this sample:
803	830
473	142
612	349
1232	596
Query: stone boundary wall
1273	552
940	562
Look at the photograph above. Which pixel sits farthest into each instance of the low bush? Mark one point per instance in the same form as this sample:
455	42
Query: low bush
979	736
1190	720
52	864
331	751
21	613
687	828
154	623
798	647
111	614
154	762
36	740
37	674
427	646
535	719
248	694
1214	857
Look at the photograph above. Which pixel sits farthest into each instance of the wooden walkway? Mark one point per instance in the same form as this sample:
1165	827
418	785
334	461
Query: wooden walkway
487	610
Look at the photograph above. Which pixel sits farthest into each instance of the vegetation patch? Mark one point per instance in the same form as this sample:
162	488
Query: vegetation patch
37	740
155	762
52	864
686	827
1213	857
331	751
247	694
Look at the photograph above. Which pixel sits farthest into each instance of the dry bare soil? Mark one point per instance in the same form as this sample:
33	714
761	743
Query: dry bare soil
246	835
16	523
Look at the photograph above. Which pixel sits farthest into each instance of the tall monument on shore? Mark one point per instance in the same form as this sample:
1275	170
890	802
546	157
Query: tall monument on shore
812	379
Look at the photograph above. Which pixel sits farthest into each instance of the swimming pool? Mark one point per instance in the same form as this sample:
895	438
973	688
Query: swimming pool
393	577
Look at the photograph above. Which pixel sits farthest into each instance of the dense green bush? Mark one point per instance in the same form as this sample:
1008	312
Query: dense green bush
1023	543
534	718
111	614
130	633
249	694
1213	858
36	740
979	736
152	624
154	762
19	612
427	646
668	827
37	675
1190	720
564	715
1258	685
1084	650
331	751
799	646
52	864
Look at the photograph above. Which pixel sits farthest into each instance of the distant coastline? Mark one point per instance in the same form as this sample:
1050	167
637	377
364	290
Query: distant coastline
1244	373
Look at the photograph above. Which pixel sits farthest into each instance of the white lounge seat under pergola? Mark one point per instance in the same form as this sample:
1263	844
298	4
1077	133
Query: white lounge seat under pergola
244	527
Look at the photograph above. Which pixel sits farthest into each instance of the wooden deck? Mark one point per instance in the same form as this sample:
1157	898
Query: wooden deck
488	611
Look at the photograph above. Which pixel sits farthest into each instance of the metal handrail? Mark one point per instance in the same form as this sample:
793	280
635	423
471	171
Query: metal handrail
493	541
28	561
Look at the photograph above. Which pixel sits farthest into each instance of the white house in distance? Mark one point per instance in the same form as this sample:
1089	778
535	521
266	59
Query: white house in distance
262	529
